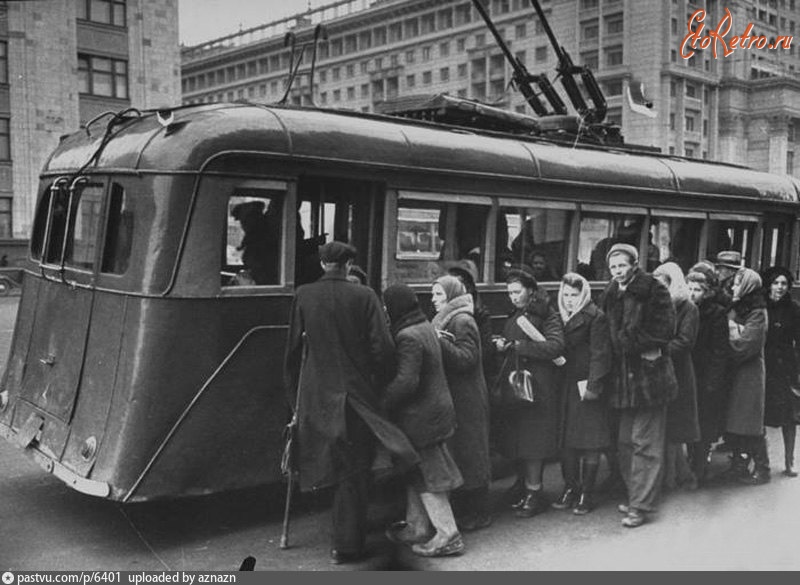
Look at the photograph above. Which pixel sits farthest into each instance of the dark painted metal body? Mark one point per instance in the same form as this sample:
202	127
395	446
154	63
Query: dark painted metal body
156	383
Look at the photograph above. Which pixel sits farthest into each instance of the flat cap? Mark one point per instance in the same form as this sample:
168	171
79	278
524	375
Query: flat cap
729	258
631	251
336	252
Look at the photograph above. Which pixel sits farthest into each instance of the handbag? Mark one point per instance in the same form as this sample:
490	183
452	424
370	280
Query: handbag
514	387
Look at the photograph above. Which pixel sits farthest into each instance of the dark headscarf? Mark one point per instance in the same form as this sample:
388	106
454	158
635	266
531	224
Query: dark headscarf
522	274
402	307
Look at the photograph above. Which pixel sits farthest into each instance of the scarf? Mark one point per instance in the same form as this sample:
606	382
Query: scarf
750	281
451	285
677	283
460	304
584	298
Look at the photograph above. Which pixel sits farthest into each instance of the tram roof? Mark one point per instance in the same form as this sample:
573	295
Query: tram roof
198	134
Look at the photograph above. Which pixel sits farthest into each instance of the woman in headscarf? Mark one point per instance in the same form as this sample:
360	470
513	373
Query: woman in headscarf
585	428
744	420
682	421
461	350
780	354
710	359
529	432
418	401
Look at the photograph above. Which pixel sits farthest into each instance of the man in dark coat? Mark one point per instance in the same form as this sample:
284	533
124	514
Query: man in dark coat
338	357
641	319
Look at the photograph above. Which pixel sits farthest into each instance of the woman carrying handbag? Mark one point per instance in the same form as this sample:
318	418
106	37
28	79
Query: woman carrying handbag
532	342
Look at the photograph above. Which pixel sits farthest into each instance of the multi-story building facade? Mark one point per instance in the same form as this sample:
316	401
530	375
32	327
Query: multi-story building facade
740	108
61	64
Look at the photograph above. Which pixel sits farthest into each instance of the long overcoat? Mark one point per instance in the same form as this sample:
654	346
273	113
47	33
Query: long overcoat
683	425
530	431
348	360
745	412
780	354
710	358
588	353
464	370
641	319
418	399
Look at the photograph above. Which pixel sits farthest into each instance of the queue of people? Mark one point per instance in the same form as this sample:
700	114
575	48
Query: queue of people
652	376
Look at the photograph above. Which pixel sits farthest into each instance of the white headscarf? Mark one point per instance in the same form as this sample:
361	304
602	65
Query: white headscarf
677	283
584	298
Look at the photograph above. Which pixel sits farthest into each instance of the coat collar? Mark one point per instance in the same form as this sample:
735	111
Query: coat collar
586	314
334	275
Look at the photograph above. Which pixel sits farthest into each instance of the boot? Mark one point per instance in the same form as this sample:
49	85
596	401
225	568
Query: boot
532	504
514	495
738	468
789	433
570	469
588	478
761	472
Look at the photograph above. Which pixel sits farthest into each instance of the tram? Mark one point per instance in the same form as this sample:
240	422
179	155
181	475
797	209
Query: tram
147	354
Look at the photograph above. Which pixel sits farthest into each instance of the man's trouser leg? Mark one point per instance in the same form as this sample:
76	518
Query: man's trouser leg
349	509
625	446
647	436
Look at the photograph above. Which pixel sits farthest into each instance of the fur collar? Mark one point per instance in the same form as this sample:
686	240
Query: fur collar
639	286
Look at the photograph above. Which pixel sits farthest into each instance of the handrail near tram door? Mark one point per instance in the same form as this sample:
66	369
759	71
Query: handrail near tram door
191	405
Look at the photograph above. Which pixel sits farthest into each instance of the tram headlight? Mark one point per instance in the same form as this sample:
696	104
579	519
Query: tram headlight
89	448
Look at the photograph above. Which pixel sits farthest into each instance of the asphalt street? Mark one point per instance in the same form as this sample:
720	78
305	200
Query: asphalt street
44	525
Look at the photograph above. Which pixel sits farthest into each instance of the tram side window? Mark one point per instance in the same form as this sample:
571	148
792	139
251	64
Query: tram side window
81	247
253	246
431	234
119	232
776	237
600	231
731	235
675	240
537	238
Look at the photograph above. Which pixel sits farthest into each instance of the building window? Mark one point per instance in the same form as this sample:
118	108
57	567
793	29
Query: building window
5	139
462	70
364	67
789	163
672	120
5	218
394	60
410	57
411	28
395	33
428	23
614	56
480	40
337	95
365	90
380	36
336	73
519	31
444	74
461	45
691	90
411	81
613	87
591	59
105	11
351	93
590	30
350	71
3	62
103	77
690	119
444	49
426	53
705	127
541	54
323	76
427	77
520	57
614	24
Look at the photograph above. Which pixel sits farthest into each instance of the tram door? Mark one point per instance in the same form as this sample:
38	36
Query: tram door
344	210
64	242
